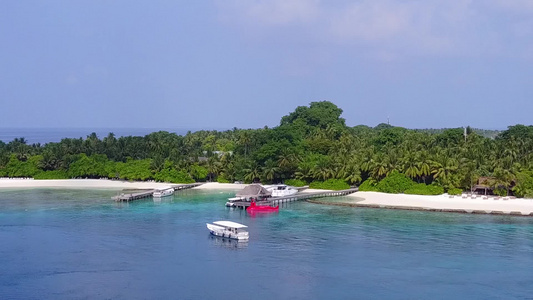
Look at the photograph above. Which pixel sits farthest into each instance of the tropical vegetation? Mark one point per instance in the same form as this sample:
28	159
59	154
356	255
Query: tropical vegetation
312	144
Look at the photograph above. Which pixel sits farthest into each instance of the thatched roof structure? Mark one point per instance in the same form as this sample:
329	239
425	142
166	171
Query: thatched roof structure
485	181
254	191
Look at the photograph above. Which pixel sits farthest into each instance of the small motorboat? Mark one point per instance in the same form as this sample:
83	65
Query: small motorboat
231	201
163	193
282	190
228	229
253	208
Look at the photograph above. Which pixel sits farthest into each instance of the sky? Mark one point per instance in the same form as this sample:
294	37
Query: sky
219	64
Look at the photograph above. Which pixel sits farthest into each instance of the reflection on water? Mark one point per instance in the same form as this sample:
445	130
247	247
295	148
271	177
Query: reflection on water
227	242
262	214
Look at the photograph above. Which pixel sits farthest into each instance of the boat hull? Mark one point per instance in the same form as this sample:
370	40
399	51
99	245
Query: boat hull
254	208
223	232
163	193
282	190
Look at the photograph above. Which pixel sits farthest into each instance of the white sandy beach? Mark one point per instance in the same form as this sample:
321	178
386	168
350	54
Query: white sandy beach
221	186
103	184
444	202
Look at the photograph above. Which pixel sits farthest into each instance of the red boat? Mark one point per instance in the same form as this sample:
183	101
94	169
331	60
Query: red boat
261	208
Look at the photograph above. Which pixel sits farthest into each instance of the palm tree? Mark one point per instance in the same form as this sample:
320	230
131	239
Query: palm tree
252	173
410	165
322	169
305	171
382	166
503	178
443	170
245	140
213	167
270	170
424	169
286	159
354	175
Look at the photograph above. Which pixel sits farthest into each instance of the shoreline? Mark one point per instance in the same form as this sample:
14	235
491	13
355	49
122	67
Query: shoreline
104	184
439	203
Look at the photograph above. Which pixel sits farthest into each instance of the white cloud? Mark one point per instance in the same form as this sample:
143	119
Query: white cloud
395	28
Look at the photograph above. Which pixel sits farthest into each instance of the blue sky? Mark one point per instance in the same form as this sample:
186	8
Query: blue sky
223	64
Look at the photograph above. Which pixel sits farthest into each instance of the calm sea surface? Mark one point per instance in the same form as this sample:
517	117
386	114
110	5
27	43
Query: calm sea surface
79	244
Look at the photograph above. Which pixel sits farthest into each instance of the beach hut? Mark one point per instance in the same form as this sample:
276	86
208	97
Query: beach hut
483	186
255	191
486	185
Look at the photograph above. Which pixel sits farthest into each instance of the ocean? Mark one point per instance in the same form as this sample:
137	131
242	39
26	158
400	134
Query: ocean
79	244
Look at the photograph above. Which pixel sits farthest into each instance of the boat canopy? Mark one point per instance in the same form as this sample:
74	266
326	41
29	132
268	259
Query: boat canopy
229	224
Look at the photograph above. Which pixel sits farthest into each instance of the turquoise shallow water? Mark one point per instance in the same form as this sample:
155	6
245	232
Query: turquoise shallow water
65	244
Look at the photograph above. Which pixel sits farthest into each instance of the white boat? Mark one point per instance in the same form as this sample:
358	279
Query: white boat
231	201
228	229
281	190
163	192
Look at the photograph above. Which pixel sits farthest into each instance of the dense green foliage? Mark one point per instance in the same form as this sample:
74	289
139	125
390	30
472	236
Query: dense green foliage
424	189
55	174
482	132
221	179
295	182
454	191
330	184
395	183
369	185
524	185
312	143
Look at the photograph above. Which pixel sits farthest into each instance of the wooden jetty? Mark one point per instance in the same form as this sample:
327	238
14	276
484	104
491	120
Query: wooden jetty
140	194
178	187
297	197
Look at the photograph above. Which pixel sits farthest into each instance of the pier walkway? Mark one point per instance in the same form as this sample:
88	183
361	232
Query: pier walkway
296	197
149	193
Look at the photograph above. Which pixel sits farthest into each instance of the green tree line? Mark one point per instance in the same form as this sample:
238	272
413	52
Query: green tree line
311	144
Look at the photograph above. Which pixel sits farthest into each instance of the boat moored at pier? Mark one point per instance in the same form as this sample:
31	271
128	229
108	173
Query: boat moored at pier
254	208
163	193
281	190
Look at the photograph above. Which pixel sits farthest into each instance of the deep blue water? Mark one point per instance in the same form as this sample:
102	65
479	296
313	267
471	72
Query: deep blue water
65	244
